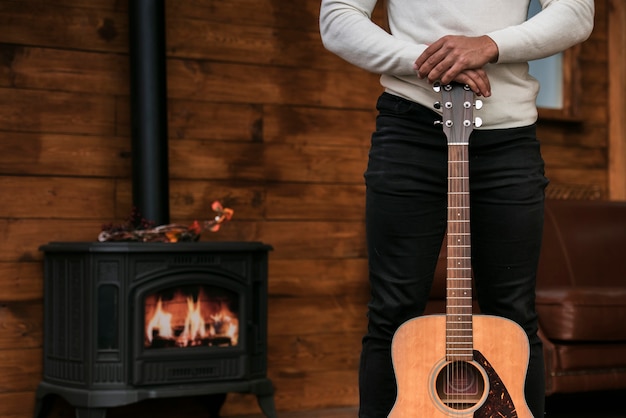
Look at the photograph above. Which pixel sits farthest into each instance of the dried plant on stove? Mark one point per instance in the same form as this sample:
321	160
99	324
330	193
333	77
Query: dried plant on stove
138	229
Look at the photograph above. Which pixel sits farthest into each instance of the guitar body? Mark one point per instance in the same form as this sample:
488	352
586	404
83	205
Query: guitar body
493	387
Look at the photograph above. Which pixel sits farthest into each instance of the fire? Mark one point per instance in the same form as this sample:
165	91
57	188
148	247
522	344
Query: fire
194	324
226	325
187	321
160	322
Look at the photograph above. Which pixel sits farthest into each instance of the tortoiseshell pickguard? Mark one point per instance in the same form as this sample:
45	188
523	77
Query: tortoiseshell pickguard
498	403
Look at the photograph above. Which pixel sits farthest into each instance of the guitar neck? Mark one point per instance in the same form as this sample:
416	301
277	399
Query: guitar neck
458	104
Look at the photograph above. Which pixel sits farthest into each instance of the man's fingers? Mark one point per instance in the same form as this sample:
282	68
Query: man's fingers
477	80
427	55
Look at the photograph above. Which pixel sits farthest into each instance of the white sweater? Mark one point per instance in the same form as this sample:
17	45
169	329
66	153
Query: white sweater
347	30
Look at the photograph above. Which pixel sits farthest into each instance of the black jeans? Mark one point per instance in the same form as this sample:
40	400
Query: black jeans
406	202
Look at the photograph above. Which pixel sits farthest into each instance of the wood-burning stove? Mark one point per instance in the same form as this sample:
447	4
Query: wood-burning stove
124	322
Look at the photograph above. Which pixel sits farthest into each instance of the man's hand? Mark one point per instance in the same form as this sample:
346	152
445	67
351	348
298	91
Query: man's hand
458	58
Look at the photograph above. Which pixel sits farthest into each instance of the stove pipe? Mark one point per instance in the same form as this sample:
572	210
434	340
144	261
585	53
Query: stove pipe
148	106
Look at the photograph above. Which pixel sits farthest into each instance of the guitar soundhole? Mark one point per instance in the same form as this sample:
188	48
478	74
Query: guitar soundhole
460	385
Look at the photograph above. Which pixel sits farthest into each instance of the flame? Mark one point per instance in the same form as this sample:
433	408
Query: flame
161	322
186	321
224	324
194	324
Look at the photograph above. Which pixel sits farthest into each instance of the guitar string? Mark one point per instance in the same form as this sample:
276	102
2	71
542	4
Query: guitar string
460	370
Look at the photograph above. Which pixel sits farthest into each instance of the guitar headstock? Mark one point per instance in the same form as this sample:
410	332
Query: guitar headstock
457	104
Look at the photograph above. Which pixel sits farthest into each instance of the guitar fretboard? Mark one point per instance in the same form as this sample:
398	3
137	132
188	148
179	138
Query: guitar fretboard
459	341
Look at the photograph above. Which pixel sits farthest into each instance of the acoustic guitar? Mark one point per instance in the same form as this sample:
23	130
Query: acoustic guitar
459	364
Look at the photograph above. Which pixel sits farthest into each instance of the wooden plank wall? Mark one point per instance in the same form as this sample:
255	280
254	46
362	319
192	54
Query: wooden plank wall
262	118
576	152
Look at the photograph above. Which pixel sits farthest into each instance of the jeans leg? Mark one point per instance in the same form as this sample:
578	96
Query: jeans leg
400	284
405	220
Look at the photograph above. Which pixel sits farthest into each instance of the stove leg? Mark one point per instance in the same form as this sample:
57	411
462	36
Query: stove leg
91	412
42	407
43	403
266	402
39	407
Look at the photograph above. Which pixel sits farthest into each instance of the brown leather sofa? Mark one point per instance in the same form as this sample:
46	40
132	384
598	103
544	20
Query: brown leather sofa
581	295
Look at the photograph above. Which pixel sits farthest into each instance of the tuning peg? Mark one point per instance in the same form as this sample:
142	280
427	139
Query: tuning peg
478	104
437	105
478	122
447	124
437	86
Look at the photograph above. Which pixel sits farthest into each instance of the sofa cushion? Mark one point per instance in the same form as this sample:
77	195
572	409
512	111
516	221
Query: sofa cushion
576	358
583	313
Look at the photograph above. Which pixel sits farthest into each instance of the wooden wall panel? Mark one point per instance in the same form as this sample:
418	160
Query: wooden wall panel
617	71
51	154
238	83
21	324
20	281
16	404
242	42
40	68
56	112
576	152
61	26
20	369
270	13
260	117
56	197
